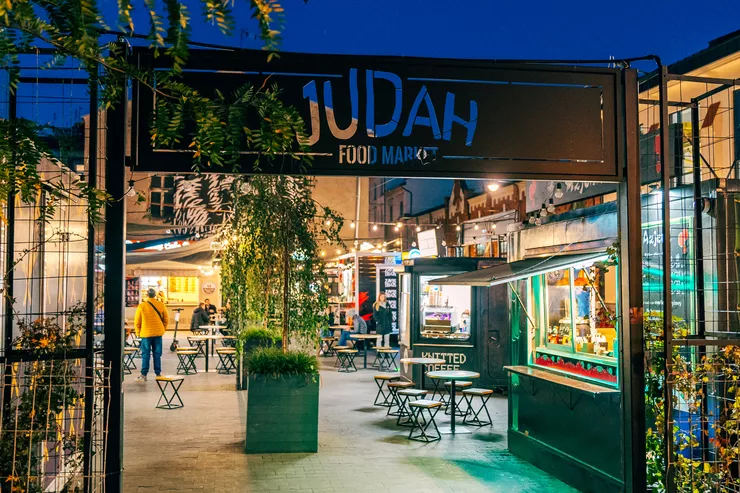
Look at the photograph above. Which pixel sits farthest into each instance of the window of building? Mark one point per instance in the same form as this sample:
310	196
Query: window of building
401	210
575	311
162	197
445	311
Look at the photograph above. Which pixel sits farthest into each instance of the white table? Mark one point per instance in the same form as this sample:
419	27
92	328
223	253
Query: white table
453	376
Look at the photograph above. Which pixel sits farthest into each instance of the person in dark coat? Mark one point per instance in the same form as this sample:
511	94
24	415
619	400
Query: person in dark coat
200	317
382	316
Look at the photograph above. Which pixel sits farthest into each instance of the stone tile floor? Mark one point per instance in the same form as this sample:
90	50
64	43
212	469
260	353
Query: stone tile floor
199	448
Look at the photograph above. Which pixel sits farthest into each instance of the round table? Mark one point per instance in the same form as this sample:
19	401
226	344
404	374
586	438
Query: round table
423	362
364	337
207	339
453	376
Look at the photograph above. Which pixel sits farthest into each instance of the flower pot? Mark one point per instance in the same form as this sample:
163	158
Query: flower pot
282	414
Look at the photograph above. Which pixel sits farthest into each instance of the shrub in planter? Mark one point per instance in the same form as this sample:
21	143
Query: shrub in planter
282	402
249	341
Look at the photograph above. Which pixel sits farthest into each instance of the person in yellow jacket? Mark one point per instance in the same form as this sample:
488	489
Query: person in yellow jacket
150	324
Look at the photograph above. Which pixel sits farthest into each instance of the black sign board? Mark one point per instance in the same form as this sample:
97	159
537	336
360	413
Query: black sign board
388	284
414	117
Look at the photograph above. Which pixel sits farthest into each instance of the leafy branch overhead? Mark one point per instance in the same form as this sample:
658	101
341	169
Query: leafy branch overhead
217	128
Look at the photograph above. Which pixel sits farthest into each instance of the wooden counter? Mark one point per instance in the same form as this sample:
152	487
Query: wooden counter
562	380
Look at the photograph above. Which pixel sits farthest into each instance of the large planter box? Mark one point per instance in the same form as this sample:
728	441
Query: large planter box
282	414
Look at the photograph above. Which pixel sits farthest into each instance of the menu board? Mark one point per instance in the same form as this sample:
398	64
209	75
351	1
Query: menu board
132	291
388	284
183	284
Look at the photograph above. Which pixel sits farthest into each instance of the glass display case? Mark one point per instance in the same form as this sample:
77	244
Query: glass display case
575	313
445	311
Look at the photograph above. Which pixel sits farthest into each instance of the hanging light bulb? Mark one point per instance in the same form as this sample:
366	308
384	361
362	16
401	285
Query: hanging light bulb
551	206
538	220
543	210
353	250
323	253
352	225
339	252
493	187
396	228
475	227
531	220
457	228
439	226
418	229
493	226
398	225
131	190
375	227
559	191
379	246
328	222
398	241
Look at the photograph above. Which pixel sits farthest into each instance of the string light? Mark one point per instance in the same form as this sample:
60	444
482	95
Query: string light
131	190
493	187
323	253
375	227
398	225
475	227
328	222
551	206
559	191
543	210
457	228
339	252
418	229
352	225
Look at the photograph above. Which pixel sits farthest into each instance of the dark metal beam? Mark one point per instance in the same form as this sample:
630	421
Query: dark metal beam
115	260
92	174
700	79
665	147
632	357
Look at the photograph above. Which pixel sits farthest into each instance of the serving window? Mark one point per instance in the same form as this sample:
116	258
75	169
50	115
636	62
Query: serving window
445	311
575	313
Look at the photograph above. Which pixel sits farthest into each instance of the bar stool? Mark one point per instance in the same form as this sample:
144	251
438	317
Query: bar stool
404	396
439	393
129	365
380	381
346	359
329	343
198	344
419	422
469	395
393	388
388	358
165	381
336	351
458	385
377	355
226	362
187	357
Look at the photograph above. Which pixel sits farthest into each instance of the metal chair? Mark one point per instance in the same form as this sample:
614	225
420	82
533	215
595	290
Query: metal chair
469	395
383	398
346	359
187	361
422	424
226	364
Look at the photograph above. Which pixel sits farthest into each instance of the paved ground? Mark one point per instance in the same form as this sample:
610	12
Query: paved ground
200	448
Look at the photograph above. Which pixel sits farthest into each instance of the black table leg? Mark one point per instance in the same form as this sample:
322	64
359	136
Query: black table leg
364	354
207	354
452	403
421	380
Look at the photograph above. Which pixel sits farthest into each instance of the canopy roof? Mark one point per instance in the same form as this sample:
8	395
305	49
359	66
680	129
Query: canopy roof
503	273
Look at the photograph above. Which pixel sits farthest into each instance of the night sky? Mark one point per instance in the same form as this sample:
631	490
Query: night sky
495	29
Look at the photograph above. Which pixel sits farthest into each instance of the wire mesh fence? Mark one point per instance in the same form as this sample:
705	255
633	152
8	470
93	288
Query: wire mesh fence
43	432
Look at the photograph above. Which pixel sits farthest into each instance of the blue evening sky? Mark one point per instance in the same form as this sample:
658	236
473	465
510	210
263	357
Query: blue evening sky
495	29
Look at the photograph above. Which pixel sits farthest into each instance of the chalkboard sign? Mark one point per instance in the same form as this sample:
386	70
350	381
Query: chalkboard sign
388	284
132	291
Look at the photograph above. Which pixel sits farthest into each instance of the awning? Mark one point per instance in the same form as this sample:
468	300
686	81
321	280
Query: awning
499	274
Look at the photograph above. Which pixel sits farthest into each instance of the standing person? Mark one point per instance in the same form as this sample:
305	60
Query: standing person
382	316
200	317
150	324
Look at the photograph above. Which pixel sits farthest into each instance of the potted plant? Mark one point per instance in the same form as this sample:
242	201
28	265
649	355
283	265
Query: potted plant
272	272
282	401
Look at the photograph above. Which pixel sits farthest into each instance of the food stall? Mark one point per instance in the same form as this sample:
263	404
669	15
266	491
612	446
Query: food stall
562	285
463	325
353	283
